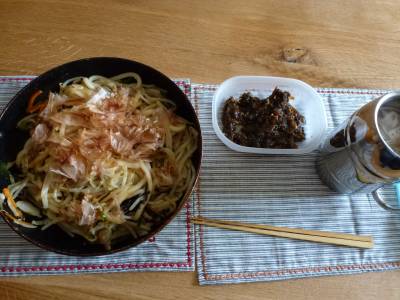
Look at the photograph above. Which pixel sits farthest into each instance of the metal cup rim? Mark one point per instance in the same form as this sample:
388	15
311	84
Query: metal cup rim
384	99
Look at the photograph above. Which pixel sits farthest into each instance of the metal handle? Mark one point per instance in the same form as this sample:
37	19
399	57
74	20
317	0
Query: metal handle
382	203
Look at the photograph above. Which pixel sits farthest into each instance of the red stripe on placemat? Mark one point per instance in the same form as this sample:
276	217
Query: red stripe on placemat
65	268
347	92
125	266
319	91
307	270
313	270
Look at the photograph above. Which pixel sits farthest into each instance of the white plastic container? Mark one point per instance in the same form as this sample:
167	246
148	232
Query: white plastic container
306	101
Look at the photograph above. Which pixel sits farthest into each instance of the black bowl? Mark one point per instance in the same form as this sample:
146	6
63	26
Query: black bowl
12	141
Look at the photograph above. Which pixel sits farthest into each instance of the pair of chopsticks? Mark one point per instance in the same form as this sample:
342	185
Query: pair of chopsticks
343	239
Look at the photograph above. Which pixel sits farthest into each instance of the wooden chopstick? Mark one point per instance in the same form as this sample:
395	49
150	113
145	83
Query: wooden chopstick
344	236
293	233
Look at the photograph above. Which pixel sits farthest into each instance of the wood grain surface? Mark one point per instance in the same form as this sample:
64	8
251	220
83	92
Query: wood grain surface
325	43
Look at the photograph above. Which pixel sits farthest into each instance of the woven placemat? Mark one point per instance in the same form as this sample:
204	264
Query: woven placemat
283	191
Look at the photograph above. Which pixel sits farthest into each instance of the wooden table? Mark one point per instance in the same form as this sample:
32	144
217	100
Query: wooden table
326	43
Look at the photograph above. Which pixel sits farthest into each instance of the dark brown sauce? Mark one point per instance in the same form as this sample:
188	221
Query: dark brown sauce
263	123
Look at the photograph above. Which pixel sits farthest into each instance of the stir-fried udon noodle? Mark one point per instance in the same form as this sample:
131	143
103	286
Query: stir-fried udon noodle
105	159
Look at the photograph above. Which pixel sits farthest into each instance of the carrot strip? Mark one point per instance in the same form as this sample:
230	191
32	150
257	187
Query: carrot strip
11	203
41	106
31	104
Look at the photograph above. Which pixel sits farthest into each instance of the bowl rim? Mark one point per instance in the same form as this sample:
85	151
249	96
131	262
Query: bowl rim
267	151
184	198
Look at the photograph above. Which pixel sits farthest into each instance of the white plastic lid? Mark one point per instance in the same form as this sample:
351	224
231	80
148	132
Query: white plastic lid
306	101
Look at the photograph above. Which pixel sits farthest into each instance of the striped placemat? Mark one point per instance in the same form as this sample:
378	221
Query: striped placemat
283	191
170	250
